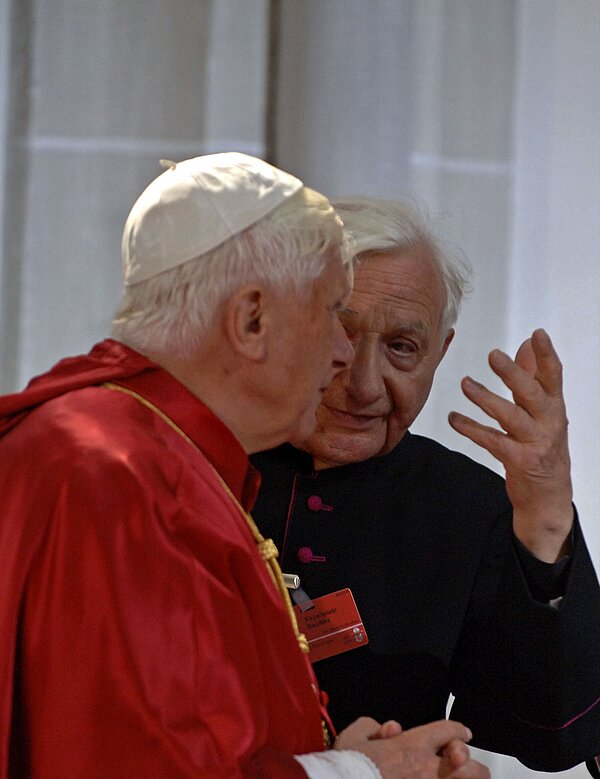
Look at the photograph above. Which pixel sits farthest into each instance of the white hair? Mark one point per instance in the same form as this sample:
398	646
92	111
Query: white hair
376	225
289	248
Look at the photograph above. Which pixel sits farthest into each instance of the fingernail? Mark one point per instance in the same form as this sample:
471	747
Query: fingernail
471	384
469	734
499	358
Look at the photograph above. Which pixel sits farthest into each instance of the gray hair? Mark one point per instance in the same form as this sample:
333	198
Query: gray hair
289	248
376	225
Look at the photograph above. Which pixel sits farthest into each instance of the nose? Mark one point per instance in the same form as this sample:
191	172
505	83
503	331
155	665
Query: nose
365	382
342	348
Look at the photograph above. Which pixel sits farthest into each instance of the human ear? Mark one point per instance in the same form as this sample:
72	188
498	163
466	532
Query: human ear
447	341
245	322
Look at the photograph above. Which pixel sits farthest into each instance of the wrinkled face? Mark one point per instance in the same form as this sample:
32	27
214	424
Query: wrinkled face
311	348
393	320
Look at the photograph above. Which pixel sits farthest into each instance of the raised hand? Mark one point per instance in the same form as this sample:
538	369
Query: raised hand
532	443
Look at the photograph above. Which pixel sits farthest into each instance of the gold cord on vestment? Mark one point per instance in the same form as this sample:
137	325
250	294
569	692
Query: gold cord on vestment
266	547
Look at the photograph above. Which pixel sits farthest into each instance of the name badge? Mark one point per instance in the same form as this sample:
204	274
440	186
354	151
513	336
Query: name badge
332	626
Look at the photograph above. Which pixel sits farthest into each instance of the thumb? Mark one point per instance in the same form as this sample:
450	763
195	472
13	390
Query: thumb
361	730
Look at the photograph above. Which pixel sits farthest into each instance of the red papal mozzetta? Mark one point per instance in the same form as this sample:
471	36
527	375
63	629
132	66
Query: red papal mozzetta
141	632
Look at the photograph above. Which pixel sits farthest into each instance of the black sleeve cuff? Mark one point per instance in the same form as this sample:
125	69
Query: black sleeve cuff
546	581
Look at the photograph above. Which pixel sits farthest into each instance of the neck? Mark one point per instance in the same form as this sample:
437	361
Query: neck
222	390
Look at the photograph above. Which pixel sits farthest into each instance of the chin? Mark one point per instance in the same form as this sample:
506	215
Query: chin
303	433
340	453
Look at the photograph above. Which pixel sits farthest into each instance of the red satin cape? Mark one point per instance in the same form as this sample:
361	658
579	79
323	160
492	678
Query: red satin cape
141	634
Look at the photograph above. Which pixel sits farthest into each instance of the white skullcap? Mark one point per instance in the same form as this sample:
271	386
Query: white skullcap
195	206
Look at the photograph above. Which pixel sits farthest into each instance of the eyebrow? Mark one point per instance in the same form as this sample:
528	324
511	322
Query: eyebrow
416	326
413	327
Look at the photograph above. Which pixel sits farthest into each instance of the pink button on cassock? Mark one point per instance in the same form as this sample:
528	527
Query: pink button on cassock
316	504
305	555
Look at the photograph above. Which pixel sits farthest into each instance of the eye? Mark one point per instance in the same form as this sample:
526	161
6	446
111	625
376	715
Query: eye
404	354
341	313
403	347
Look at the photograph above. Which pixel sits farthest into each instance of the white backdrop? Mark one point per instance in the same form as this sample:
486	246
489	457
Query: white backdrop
487	111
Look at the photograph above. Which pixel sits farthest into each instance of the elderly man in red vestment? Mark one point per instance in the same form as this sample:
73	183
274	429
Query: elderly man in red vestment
145	629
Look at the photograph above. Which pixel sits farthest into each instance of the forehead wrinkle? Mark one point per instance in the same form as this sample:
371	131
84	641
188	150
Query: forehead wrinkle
397	286
386	320
392	289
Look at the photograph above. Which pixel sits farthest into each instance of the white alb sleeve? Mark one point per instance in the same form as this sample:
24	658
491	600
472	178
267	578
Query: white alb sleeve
338	764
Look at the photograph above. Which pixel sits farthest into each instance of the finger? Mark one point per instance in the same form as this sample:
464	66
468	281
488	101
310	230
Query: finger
497	443
478	433
550	372
442	732
388	730
457	753
361	729
525	358
471	770
537	359
527	391
512	418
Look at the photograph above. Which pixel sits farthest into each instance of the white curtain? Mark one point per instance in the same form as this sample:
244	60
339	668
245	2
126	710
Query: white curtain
486	111
93	93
